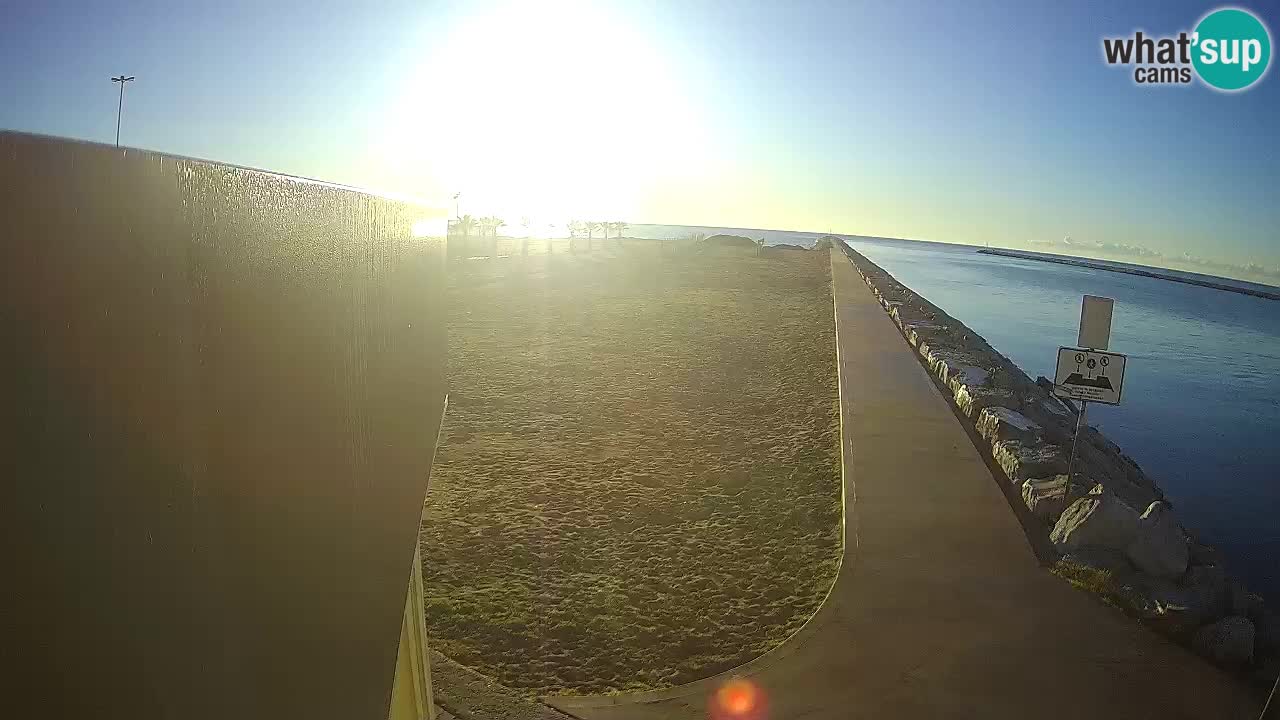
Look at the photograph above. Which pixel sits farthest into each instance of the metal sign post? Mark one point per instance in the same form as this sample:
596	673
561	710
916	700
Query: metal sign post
1088	373
1075	442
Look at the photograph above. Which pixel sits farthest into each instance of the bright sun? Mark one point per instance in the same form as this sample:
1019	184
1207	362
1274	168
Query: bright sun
544	110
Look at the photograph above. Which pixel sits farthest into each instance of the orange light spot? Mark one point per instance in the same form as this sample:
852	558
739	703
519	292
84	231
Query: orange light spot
738	697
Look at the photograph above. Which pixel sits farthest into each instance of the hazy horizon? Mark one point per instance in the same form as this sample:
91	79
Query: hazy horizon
1195	264
991	122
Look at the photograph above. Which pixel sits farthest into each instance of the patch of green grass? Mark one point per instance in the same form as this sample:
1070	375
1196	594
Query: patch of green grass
638	481
1090	579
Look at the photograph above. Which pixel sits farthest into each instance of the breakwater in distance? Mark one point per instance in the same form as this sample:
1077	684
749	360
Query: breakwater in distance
1187	278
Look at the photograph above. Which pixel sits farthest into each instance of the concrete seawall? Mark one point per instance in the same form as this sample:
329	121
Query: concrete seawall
1107	526
223	388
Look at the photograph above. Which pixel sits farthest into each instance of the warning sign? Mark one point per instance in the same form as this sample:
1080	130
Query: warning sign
1089	375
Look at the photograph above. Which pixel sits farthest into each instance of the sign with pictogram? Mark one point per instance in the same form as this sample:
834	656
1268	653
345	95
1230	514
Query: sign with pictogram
1089	375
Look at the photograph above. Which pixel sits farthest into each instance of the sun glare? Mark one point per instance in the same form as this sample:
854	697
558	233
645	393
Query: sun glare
737	699
544	109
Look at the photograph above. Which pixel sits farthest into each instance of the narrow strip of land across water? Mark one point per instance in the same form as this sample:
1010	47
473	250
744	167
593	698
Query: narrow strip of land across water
1152	273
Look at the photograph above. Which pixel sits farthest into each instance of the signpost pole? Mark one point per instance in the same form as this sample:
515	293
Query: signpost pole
1075	442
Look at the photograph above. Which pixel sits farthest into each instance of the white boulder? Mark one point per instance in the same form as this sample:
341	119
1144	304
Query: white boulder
1021	461
997	424
893	312
966	375
1160	547
948	365
1098	518
917	332
934	357
971	400
1046	498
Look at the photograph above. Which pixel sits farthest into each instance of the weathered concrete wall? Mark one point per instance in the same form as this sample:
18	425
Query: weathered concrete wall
412	695
221	390
1114	520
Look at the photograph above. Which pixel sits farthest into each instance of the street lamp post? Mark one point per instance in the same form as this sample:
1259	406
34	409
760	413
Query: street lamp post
120	108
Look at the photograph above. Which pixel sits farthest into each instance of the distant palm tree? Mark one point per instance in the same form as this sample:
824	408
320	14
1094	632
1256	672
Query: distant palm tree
588	226
618	229
604	226
482	230
524	246
492	223
464	225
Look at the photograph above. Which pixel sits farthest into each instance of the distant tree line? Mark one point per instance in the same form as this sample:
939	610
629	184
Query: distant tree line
467	226
588	229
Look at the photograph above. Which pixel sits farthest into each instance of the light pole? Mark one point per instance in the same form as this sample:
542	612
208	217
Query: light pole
455	205
120	108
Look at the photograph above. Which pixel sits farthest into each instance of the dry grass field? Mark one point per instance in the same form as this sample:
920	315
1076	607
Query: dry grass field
638	482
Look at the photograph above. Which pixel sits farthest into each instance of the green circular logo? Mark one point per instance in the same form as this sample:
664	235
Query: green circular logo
1231	49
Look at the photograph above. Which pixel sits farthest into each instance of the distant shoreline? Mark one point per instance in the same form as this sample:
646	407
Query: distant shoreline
1081	262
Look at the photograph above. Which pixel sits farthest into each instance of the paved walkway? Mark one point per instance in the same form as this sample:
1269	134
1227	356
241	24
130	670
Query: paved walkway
941	608
464	694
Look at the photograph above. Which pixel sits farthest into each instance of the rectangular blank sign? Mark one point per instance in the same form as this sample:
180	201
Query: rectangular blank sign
1095	322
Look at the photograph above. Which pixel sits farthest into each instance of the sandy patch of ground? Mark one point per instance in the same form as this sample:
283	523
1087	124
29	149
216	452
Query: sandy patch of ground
638	482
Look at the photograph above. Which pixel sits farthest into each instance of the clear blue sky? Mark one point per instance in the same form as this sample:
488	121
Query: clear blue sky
957	121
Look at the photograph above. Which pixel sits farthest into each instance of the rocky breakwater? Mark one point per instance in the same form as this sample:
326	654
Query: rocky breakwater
1108	527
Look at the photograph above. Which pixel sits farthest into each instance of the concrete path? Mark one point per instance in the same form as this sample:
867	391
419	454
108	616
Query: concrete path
941	608
464	694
